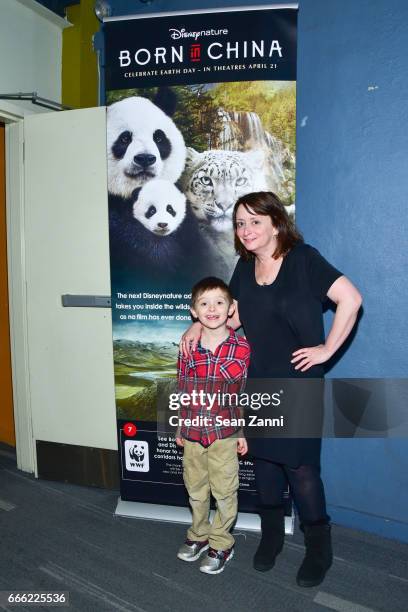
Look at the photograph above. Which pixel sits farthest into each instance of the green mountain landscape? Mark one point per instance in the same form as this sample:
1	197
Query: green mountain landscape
138	366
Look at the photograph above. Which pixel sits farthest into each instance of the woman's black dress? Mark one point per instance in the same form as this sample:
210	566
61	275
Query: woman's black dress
278	319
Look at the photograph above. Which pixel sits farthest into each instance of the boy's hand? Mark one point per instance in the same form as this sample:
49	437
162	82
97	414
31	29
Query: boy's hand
242	446
179	441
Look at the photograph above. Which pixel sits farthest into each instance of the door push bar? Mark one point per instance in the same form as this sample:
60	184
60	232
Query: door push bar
86	301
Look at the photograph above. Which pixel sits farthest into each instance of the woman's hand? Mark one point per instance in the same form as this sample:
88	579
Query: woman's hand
242	446
179	441
234	320
190	338
305	358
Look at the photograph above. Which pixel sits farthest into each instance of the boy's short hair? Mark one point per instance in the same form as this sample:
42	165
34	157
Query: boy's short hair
207	284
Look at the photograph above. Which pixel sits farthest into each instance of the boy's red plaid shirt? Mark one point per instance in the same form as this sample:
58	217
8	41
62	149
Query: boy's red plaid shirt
213	374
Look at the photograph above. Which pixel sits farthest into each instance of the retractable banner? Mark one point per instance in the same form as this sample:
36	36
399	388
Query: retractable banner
201	110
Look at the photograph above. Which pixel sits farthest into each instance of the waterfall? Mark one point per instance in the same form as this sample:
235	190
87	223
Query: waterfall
242	131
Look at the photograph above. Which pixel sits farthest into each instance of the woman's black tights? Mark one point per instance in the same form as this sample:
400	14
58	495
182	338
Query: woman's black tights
305	484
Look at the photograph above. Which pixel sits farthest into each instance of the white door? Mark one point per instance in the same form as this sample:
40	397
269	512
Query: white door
67	252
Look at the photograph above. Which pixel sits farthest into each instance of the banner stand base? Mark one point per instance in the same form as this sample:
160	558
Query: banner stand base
178	514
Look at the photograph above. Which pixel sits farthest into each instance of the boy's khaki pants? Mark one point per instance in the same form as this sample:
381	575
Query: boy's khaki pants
212	470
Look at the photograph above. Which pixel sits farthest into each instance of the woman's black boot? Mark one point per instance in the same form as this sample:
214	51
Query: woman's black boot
319	555
272	537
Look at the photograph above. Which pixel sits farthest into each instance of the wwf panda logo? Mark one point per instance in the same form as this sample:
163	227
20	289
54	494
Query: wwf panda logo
137	453
137	456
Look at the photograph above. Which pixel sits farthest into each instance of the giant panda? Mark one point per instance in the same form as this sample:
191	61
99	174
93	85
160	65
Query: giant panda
143	142
160	207
159	238
144	146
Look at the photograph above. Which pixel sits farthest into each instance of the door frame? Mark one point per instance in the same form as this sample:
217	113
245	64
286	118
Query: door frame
13	118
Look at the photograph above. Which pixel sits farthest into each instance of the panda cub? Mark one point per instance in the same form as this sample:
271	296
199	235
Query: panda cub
160	239
154	231
160	207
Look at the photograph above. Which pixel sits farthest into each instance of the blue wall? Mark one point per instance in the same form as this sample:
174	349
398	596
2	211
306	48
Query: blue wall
352	184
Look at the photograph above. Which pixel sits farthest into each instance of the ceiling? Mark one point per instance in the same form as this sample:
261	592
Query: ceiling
58	6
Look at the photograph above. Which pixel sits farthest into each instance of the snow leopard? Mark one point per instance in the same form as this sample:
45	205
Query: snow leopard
213	181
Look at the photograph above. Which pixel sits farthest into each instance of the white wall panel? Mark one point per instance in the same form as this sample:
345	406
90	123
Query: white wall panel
30	51
67	251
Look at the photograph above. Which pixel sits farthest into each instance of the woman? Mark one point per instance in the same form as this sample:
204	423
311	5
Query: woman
279	285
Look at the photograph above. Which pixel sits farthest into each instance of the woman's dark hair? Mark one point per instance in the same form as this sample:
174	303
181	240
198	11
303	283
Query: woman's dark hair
268	204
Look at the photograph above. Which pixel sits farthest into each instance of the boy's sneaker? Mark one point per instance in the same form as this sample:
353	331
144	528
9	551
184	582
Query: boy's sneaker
215	560
191	550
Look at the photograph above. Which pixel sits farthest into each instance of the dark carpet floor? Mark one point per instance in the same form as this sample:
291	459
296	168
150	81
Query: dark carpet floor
58	537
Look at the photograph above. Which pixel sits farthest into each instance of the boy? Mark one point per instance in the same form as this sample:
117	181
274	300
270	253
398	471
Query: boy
210	464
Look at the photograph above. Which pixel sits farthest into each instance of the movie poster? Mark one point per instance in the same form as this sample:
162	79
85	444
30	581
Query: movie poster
201	110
